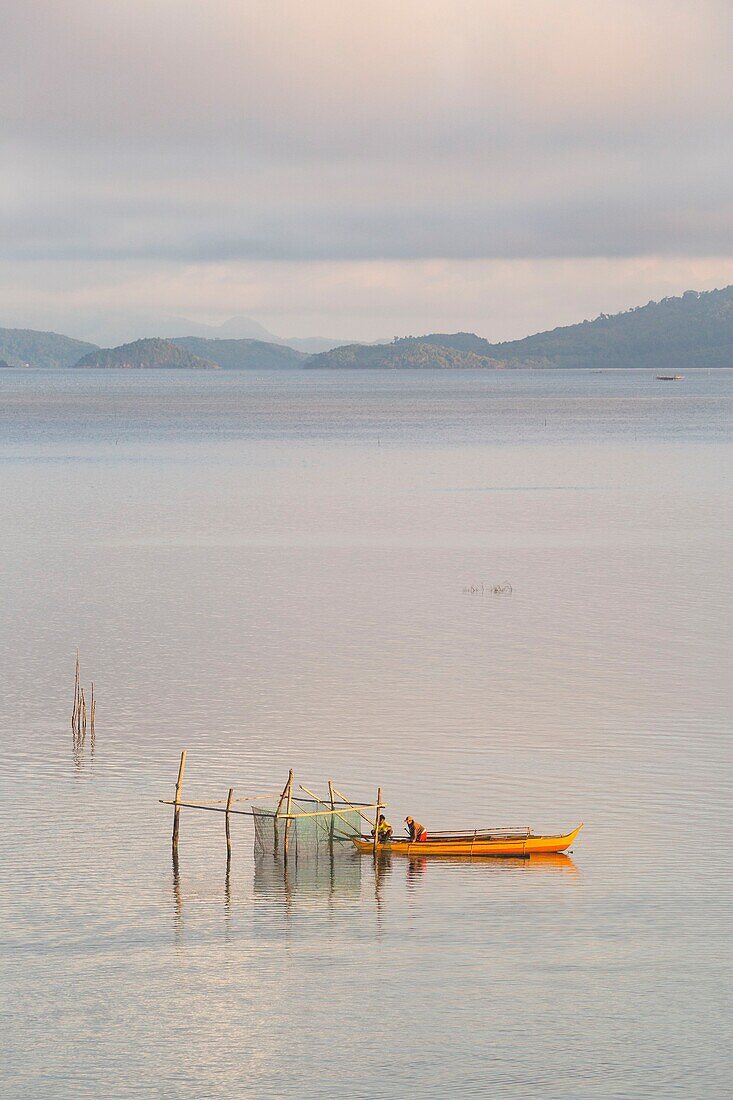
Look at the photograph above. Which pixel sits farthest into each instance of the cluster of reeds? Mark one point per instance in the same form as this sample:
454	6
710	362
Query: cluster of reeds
488	589
81	715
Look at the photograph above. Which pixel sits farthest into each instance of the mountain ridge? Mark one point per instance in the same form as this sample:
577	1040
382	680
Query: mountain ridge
675	333
692	330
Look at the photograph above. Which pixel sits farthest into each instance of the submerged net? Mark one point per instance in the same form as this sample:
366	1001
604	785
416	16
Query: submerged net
312	827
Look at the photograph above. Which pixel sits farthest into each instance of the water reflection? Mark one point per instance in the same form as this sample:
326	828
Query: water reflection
177	900
331	873
558	861
337	876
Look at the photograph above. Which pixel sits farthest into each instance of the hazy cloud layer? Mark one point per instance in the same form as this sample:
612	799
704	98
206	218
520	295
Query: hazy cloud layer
179	133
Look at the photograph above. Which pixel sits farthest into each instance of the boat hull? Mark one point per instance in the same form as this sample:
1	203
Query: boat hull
472	847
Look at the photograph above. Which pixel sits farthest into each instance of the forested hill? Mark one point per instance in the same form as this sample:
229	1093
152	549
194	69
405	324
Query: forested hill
23	347
695	330
242	354
146	355
407	354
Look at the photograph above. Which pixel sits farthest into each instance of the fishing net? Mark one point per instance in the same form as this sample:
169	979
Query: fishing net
312	828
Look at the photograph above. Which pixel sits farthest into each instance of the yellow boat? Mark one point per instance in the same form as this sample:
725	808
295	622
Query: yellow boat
486	842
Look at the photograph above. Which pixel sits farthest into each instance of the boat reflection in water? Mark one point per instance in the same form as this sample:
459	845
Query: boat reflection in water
328	881
550	861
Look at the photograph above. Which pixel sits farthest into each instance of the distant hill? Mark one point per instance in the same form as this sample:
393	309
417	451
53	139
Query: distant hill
242	354
23	347
695	330
407	354
152	354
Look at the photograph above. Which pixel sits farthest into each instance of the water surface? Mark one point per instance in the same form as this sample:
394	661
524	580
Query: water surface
275	571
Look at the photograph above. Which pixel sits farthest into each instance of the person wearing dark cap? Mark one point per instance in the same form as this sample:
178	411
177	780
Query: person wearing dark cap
415	830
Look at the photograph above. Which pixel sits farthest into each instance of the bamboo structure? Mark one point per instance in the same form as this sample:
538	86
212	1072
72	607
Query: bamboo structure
81	717
336	806
333	811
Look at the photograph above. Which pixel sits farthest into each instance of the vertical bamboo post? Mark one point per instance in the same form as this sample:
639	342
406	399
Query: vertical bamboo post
289	804
276	831
333	819
376	820
76	695
92	711
177	808
82	724
230	796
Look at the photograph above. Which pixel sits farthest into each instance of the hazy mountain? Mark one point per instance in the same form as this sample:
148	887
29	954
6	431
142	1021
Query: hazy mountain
408	354
243	354
22	347
111	328
153	354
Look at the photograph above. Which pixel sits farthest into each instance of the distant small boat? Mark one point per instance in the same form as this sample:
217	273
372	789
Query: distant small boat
485	842
670	377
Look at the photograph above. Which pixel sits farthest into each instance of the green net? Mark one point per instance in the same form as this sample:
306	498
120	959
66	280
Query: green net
312	827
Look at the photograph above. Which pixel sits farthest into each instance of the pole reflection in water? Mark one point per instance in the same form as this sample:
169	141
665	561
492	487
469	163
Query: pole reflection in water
332	878
382	871
334	874
228	895
177	901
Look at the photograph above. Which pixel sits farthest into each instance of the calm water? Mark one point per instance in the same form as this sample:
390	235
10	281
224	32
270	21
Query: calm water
271	571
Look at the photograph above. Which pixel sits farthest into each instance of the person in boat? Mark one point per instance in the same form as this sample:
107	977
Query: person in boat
384	829
415	831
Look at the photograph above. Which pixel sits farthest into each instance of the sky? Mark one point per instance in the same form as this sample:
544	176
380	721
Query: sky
362	170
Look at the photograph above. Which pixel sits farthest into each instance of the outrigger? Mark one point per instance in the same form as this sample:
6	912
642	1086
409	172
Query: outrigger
481	842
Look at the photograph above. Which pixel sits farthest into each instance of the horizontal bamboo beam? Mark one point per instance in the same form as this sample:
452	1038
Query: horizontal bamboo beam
245	813
213	809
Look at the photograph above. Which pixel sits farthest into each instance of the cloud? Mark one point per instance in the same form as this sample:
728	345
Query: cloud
309	130
241	136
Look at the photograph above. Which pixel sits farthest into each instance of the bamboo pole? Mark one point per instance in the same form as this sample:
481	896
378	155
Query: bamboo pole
92	711
226	823
83	715
322	803
179	788
275	830
76	694
354	805
221	809
284	792
376	820
289	806
330	795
